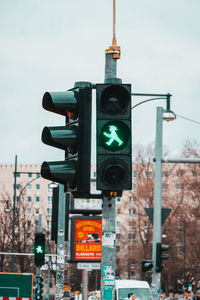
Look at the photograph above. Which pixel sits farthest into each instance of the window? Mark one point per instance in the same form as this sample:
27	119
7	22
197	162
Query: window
28	211
134	173
132	265
132	212
194	174
118	236
48	225
134	186
37	211
132	275
37	175
29	198
37	199
29	174
179	188
118	223
148	200
131	237
118	210
165	188
179	198
29	186
94	174
165	174
17	174
28	223
117	248
180	173
37	186
194	199
28	235
49	211
49	199
132	201
148	174
118	199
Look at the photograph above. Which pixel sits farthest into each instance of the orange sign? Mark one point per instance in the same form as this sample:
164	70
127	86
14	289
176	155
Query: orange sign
87	239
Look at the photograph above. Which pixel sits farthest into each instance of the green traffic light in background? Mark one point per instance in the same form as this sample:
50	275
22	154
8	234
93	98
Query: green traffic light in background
39	249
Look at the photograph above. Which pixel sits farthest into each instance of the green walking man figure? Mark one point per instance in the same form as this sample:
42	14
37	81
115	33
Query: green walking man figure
113	136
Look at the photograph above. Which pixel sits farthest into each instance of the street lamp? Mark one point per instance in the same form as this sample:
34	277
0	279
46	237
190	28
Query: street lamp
167	115
14	208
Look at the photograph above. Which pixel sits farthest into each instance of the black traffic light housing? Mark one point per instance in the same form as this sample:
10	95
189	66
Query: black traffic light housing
147	265
74	137
54	216
39	249
114	137
160	256
39	288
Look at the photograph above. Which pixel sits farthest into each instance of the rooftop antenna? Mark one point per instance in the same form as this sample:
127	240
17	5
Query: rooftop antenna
114	49
112	54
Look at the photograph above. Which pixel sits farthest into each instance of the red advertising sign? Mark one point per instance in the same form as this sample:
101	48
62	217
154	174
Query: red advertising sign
87	239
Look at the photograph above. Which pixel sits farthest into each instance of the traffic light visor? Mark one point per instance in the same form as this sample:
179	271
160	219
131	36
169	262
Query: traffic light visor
61	103
113	172
63	172
114	99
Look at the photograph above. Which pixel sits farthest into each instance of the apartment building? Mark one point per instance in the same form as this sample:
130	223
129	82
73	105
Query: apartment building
133	228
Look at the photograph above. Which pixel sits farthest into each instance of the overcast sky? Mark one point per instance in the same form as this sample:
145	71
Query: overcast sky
47	45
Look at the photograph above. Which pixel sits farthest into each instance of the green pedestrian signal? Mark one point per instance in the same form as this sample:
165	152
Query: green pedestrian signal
114	136
114	139
39	249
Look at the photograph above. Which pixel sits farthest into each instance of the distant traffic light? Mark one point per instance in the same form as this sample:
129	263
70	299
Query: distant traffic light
54	215
160	256
39	249
39	288
147	265
74	137
114	163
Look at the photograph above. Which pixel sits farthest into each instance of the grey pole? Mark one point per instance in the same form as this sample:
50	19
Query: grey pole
13	221
156	277
108	248
60	243
85	284
49	277
108	211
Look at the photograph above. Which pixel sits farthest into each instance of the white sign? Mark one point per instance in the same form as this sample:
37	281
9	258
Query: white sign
88	266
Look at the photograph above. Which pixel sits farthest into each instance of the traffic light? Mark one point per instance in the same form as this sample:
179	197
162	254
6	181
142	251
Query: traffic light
39	249
39	288
114	139
54	215
74	137
147	265
160	256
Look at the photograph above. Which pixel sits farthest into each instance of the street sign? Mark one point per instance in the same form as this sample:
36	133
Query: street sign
16	285
88	266
165	214
86	236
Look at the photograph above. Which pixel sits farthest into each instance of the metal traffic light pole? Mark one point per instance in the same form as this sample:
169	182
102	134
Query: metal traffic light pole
61	243
157	214
108	209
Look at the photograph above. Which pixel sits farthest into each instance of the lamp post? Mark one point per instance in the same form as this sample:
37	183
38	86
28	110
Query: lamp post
164	235
161	115
14	208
